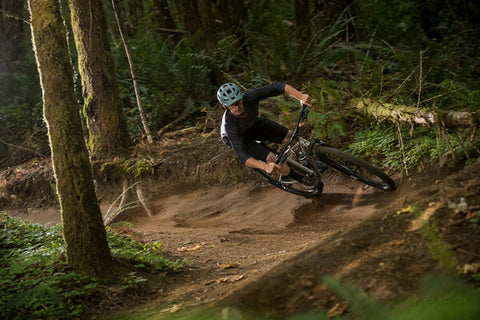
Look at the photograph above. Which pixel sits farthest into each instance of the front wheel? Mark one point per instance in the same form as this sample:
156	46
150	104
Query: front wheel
356	168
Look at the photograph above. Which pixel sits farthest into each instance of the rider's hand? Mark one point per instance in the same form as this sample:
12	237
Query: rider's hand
271	167
274	168
307	100
304	97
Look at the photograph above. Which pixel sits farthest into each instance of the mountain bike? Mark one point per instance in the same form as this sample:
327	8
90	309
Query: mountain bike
309	159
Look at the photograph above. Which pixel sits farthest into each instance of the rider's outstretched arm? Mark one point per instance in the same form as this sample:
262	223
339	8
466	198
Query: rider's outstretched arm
298	95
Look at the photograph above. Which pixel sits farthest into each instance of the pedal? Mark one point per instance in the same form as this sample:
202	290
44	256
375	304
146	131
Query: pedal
321	166
287	180
310	181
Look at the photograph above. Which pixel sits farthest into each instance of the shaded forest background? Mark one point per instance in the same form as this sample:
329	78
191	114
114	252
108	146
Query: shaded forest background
418	53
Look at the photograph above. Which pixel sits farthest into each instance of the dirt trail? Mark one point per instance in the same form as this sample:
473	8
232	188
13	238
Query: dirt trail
278	245
250	228
254	247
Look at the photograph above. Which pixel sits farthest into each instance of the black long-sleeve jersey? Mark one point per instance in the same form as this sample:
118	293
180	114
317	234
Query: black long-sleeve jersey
232	128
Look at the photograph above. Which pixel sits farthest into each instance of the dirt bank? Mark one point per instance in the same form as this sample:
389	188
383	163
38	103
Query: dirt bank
254	247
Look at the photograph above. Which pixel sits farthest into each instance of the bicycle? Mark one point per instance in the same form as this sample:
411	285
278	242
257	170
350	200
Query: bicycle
311	158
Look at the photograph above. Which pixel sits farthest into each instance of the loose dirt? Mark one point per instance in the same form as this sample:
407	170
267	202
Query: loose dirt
254	247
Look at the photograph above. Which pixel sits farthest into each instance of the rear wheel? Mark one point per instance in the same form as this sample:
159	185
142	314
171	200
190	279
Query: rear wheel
293	186
356	168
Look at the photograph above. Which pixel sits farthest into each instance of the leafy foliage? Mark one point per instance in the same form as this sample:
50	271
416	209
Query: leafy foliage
142	255
172	80
419	145
37	281
20	112
35	277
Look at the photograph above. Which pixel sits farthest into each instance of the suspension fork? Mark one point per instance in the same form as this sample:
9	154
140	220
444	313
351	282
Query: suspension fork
301	145
311	148
299	165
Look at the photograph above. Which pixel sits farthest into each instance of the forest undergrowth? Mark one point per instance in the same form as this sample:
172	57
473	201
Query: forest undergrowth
37	281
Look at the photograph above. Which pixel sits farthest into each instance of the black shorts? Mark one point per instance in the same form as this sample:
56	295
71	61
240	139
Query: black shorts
263	130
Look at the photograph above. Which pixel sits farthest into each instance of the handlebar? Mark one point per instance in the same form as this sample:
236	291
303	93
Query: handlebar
281	157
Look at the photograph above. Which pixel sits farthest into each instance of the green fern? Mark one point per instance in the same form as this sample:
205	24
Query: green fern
420	145
37	281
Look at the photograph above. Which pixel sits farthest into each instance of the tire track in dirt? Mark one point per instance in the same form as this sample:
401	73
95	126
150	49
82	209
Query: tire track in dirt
254	229
251	227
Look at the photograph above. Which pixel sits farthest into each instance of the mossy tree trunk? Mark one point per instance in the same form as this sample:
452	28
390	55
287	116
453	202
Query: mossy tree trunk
87	247
102	104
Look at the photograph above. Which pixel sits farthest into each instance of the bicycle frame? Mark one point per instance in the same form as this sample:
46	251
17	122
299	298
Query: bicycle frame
319	153
298	143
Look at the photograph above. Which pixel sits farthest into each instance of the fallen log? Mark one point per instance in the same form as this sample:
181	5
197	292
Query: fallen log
401	113
180	132
175	122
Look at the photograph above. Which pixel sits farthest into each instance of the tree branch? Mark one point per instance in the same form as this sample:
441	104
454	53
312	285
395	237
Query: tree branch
23	148
14	16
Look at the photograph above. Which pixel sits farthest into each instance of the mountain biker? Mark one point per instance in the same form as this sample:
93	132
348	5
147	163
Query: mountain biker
241	126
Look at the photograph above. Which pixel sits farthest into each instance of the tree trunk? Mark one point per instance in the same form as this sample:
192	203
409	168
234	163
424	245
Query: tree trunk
208	24
225	16
402	113
87	248
191	18
102	104
238	12
232	15
165	19
302	12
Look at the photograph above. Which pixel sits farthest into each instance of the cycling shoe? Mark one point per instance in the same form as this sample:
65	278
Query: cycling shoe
321	166
311	181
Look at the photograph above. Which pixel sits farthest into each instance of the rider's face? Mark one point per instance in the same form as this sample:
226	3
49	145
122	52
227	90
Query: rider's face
237	109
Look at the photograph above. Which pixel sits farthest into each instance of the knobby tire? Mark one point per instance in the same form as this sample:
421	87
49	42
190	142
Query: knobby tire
354	167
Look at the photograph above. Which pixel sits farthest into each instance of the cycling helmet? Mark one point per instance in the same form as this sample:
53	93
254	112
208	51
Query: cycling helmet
229	93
